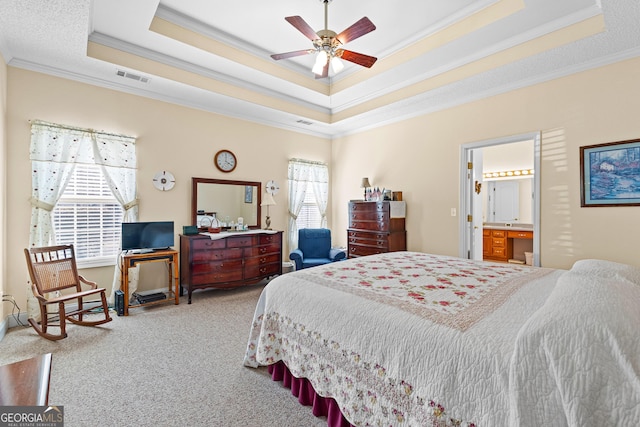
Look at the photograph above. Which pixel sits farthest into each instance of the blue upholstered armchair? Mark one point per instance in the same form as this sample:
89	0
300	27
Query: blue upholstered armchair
314	248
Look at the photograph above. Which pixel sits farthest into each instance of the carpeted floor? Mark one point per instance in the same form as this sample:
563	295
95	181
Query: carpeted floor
166	365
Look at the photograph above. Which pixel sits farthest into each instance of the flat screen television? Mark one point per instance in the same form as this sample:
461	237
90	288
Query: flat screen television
147	235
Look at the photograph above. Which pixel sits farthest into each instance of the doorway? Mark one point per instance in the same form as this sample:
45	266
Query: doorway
473	188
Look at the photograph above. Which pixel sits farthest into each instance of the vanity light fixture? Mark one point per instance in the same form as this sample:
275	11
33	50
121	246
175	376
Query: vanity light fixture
519	173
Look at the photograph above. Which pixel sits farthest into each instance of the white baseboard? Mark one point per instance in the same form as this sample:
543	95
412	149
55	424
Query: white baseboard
11	322
3	328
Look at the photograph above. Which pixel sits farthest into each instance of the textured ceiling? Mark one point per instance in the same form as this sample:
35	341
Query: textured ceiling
214	55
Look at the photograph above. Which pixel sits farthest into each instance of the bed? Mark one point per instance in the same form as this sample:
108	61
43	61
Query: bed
415	339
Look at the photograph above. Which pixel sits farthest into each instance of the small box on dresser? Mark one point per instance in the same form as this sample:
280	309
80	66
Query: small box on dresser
376	227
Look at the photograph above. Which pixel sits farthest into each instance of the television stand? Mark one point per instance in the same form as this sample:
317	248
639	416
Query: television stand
130	259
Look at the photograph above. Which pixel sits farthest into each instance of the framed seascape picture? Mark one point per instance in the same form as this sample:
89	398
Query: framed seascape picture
610	174
248	194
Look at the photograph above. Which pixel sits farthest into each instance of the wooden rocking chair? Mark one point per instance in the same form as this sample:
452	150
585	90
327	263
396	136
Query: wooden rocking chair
53	269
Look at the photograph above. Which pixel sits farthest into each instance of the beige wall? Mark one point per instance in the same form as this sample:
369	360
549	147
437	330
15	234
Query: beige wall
169	137
3	183
421	158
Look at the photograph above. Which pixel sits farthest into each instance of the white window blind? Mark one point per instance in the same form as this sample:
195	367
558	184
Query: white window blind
309	216
89	217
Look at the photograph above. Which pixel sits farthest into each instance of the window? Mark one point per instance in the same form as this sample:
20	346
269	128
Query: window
88	216
309	216
308	196
83	186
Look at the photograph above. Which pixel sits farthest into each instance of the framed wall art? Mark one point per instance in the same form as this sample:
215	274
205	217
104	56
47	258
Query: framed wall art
248	194
610	174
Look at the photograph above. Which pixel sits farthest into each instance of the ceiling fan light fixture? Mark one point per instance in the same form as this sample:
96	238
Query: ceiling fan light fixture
321	61
327	44
336	65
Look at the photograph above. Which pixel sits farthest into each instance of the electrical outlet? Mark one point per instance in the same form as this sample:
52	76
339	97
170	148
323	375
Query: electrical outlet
453	211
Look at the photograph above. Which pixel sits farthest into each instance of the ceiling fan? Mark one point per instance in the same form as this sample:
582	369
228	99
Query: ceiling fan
327	44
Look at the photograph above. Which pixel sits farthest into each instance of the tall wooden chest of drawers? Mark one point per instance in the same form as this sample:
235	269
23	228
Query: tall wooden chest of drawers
229	260
376	227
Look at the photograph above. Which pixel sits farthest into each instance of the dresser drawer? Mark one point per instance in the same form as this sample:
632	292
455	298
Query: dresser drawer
520	234
498	233
240	242
357	234
369	216
498	252
262	250
212	272
370	225
216	254
206	244
263	269
270	238
363	250
368	207
499	242
379	241
261	260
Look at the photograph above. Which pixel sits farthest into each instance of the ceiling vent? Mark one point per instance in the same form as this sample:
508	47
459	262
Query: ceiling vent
304	122
136	77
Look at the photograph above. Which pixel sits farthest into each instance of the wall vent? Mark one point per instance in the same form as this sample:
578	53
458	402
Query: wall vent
136	77
304	122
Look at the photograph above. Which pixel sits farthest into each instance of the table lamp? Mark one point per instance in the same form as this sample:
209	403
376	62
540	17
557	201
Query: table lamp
365	184
268	201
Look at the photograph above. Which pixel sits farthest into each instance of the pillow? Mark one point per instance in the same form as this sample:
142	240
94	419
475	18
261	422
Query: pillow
607	269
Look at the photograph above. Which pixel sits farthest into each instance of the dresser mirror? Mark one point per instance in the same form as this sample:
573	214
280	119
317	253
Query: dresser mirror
226	201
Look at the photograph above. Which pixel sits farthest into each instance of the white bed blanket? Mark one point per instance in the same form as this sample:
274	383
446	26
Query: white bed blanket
437	347
577	360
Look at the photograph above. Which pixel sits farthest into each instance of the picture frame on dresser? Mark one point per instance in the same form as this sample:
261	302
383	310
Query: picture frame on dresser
610	174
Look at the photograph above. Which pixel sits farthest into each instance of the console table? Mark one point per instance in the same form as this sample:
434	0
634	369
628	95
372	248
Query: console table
26	383
129	260
229	259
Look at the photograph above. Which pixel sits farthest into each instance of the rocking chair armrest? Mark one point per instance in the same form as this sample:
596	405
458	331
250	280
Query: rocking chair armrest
92	285
37	293
75	295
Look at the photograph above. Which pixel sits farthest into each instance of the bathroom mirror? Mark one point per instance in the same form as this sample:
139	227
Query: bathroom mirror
509	200
226	200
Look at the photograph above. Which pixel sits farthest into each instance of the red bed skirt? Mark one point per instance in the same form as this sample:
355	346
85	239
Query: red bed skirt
303	390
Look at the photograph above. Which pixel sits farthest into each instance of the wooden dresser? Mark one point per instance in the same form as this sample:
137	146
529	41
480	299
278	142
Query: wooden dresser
376	227
229	260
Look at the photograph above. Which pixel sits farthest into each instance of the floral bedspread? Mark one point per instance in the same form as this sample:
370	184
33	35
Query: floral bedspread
446	290
404	338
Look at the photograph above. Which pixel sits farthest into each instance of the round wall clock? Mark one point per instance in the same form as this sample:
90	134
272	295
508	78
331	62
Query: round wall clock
272	187
164	181
225	160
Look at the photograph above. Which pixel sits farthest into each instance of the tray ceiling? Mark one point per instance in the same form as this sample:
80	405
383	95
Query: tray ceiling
214	55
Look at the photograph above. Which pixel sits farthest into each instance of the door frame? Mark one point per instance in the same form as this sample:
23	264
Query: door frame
467	188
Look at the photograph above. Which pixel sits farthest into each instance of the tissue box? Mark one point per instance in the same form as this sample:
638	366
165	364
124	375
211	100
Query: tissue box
189	229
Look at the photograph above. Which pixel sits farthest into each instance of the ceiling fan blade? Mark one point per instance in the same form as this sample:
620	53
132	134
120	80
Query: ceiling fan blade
325	72
358	29
285	55
302	26
358	58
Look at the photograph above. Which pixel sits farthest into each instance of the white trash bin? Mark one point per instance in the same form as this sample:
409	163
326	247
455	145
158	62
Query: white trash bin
528	258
